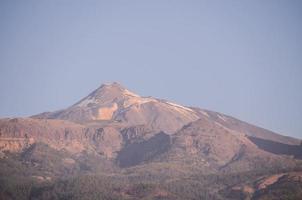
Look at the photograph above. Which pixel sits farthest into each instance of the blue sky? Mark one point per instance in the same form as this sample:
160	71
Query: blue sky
242	58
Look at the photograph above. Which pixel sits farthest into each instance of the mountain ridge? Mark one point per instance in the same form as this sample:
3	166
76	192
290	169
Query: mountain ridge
115	131
117	93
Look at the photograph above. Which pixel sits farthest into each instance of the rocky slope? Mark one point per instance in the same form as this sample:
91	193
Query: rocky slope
113	102
116	124
141	138
17	134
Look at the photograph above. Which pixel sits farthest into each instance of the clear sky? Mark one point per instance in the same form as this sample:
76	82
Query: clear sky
242	58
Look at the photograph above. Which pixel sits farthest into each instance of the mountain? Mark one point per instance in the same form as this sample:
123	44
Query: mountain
141	148
114	103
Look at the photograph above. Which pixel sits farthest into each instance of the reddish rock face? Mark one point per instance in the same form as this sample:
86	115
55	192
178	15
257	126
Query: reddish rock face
115	123
18	134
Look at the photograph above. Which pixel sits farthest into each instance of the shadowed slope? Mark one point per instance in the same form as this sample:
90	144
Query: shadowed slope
278	148
136	153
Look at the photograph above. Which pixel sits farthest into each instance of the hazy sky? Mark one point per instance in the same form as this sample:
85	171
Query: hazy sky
242	58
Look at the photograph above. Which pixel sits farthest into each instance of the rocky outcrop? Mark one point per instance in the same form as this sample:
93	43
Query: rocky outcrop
18	134
13	144
274	186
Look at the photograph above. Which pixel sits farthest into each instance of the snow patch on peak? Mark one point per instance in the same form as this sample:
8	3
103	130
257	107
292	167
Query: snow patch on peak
180	106
129	93
136	100
184	111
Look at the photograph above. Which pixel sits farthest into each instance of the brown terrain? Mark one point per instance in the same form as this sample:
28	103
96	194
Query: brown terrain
116	133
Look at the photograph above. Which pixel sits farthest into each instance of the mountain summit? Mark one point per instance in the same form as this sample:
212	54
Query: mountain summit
113	102
107	94
110	91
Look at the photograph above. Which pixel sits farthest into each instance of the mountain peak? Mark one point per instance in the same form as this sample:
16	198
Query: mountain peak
115	85
113	102
107	94
112	90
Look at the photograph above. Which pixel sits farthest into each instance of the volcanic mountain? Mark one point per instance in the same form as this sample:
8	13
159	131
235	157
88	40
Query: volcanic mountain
115	131
114	103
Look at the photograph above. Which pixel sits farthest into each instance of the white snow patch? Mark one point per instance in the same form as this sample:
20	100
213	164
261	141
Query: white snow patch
127	92
179	106
205	113
185	111
137	101
222	118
